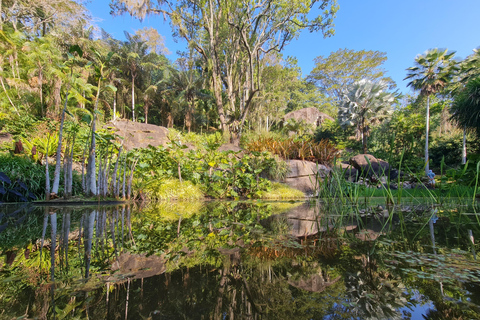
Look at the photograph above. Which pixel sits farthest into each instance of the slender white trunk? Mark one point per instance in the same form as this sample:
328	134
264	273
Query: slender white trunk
114	106
56	177
427	132
133	98
464	146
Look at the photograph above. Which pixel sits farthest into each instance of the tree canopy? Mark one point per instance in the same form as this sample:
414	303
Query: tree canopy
342	68
234	37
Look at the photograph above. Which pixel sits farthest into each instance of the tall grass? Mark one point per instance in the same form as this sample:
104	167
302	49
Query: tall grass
336	188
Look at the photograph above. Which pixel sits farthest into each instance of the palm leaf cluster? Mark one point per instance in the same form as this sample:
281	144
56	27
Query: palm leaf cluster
365	103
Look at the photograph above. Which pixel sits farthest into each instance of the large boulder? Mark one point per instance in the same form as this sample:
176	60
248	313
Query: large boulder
349	172
139	135
303	175
309	115
368	166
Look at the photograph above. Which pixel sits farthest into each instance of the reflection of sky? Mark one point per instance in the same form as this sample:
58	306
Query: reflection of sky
421	308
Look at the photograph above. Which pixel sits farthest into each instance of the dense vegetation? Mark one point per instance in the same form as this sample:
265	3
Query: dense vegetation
62	80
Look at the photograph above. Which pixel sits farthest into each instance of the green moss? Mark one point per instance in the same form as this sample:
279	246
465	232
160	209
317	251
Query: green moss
282	191
172	189
172	211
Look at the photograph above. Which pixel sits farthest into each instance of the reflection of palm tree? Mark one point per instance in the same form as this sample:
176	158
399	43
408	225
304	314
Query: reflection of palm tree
373	293
88	238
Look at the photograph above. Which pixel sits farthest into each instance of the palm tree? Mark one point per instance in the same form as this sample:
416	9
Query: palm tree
465	110
364	103
432	72
136	60
186	87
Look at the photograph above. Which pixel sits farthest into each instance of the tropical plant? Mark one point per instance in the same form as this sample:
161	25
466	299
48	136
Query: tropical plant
135	61
300	148
432	73
185	87
365	103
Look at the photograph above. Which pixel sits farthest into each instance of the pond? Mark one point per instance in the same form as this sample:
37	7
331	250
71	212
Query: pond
239	260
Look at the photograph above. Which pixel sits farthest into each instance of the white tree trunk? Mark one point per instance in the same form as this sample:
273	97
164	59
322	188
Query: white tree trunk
464	146
133	99
427	131
56	177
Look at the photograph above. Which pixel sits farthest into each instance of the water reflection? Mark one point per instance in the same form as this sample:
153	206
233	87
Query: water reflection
238	260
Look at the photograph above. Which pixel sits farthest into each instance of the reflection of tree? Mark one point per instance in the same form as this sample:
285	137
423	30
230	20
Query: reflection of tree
374	293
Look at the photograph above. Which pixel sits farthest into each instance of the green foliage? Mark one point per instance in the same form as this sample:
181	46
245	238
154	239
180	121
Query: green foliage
466	106
219	174
42	144
340	137
403	135
281	191
170	189
342	68
18	125
26	176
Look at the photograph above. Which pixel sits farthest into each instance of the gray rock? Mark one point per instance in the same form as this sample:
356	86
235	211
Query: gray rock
302	175
309	115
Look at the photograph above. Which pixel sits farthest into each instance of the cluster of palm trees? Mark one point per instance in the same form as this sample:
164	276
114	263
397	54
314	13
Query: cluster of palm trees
436	73
38	74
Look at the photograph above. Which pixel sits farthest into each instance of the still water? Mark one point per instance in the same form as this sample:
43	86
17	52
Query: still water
239	260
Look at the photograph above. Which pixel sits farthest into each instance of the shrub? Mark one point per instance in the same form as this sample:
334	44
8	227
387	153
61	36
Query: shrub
28	178
171	189
282	191
300	148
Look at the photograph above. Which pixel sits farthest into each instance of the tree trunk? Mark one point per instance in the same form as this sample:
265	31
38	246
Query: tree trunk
364	137
427	132
133	98
464	146
114	106
56	177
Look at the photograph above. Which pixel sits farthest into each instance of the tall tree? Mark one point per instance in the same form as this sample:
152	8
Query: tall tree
432	72
186	86
136	61
364	103
233	36
333	74
465	109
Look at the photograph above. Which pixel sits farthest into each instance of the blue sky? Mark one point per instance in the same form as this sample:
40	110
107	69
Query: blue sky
401	28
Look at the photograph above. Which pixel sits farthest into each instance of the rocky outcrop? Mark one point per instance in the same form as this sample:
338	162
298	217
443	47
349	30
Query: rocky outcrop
309	115
303	175
370	167
139	135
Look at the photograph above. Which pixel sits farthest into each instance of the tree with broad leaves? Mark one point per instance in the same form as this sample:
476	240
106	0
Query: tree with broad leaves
465	110
432	73
333	74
